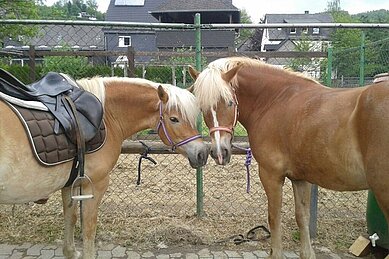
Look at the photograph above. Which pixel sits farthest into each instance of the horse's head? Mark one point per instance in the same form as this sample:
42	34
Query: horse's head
178	112
216	97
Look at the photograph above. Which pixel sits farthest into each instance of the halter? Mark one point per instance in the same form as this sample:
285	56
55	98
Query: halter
228	129
162	124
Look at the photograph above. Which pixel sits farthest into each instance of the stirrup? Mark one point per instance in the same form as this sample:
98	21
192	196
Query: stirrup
82	197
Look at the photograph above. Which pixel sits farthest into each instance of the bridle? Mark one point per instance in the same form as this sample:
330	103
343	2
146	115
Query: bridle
174	145
228	129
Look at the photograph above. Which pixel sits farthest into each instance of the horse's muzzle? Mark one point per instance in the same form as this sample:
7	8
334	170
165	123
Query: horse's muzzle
223	157
199	158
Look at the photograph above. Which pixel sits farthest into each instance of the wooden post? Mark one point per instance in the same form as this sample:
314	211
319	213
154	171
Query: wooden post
131	61
31	63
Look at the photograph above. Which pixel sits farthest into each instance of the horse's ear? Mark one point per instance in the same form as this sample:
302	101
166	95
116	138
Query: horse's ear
163	96
191	88
193	72
229	75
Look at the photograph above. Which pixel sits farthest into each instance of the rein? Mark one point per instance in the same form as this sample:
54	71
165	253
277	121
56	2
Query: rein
247	163
174	145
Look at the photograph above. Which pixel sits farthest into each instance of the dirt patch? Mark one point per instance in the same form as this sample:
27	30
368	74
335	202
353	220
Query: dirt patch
162	210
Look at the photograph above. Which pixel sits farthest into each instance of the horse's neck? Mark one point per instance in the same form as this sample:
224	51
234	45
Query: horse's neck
257	92
130	108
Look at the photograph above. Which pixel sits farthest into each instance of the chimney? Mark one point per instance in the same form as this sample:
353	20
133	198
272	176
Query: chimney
306	12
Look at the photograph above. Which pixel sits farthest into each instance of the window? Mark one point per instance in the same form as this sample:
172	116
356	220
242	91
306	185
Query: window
316	30
305	30
130	2
124	41
292	30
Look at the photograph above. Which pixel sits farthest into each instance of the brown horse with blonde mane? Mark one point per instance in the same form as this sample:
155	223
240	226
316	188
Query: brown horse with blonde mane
300	130
130	105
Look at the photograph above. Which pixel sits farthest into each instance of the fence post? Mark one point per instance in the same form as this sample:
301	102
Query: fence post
31	63
131	61
329	67
199	171
362	61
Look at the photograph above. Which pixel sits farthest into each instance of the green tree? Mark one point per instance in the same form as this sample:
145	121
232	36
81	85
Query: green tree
17	9
304	64
244	34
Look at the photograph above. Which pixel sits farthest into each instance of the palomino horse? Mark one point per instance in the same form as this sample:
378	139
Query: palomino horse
130	105
298	129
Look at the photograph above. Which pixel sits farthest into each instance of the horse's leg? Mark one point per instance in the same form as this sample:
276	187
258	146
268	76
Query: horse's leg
70	218
272	184
89	216
302	195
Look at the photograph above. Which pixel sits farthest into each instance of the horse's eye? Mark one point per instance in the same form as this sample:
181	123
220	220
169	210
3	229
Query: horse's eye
230	103
173	119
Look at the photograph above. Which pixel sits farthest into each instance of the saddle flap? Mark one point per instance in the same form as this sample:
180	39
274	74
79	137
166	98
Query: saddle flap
89	111
52	84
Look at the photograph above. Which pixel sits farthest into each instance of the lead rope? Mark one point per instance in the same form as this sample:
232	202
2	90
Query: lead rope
247	163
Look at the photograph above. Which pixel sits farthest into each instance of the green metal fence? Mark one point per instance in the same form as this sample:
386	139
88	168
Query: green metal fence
171	191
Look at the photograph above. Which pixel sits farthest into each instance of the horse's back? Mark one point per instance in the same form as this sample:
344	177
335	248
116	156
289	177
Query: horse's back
22	177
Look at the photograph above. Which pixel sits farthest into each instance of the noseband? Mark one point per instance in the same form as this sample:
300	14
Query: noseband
228	129
162	124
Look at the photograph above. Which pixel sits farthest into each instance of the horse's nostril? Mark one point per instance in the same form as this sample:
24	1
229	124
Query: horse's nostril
200	156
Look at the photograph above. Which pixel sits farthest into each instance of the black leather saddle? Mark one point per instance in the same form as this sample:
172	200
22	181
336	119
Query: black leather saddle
55	90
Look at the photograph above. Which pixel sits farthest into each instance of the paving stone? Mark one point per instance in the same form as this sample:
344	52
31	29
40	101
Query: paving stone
58	252
133	255
104	254
16	255
35	250
219	254
106	247
232	254
6	249
119	251
191	256
148	255
261	254
290	255
50	247
176	255
24	246
163	256
249	255
205	253
46	254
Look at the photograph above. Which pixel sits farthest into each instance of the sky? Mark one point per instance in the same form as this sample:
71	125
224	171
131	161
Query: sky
258	8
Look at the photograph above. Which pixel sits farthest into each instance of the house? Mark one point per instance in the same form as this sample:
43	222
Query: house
296	39
169	11
57	37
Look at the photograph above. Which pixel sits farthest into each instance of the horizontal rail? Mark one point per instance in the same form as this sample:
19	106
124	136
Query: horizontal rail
192	26
296	25
157	147
100	23
103	53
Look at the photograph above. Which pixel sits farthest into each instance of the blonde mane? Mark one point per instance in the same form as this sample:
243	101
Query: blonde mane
95	86
209	87
179	99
